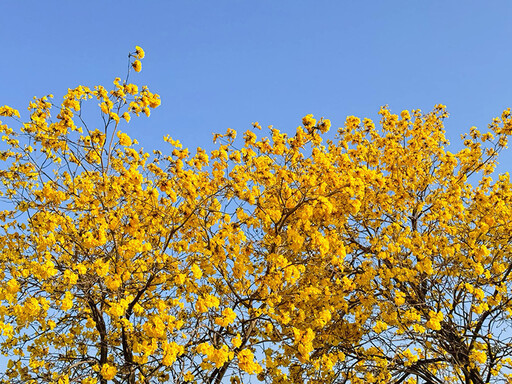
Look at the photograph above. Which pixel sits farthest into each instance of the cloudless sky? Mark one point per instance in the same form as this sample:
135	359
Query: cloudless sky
219	64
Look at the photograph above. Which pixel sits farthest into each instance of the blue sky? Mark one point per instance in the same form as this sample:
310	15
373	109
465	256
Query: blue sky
220	64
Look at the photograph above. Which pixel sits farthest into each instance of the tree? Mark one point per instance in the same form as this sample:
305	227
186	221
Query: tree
378	256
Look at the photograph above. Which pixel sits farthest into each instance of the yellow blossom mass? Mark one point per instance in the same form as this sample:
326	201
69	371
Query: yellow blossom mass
366	254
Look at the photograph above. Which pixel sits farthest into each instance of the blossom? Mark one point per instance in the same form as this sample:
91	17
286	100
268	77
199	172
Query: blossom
124	139
308	121
246	362
108	371
137	65
380	326
228	316
139	52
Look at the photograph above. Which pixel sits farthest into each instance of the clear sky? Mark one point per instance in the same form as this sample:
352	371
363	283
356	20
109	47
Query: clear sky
219	64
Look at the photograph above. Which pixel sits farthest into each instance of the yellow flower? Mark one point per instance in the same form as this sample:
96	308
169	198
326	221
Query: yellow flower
171	352
246	362
400	298
196	271
124	139
308	121
418	328
325	125
435	320
8	111
410	358
228	316
114	116
405	115
108	371
479	356
132	89
140	52
380	326
237	341
137	65
180	278
67	302
188	377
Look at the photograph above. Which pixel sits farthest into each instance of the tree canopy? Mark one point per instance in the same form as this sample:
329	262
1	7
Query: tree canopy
376	256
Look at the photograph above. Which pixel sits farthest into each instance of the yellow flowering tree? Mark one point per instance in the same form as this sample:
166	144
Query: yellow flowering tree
377	256
422	292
